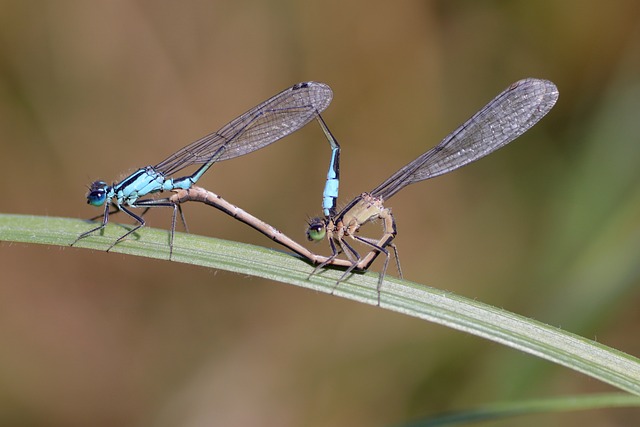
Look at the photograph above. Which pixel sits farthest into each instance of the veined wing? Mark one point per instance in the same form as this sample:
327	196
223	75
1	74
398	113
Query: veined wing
264	124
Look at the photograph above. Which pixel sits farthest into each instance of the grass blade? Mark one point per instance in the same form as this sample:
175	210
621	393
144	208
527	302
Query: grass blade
583	355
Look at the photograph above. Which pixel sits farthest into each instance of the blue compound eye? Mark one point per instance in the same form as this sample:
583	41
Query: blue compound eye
97	193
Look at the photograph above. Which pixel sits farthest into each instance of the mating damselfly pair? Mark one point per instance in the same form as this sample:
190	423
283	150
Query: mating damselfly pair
505	118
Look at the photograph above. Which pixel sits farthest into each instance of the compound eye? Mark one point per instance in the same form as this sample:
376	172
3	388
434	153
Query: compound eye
317	230
97	193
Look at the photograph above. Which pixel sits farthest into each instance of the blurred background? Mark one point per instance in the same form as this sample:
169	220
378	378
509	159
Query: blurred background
549	227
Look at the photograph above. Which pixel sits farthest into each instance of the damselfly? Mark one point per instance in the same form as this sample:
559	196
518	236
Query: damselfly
264	124
502	120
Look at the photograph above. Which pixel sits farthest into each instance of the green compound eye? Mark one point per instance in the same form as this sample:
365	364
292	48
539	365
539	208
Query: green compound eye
317	230
316	235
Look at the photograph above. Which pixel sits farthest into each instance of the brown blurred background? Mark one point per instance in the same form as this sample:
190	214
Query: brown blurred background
548	227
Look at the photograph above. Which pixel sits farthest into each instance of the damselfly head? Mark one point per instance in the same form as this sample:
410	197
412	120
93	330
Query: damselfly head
317	229
97	194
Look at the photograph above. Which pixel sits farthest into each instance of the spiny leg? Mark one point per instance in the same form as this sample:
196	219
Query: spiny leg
105	220
395	253
352	255
334	255
141	223
379	250
115	211
366	262
164	203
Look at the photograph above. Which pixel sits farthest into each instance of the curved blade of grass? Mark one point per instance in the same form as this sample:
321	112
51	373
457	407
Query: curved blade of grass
591	358
528	407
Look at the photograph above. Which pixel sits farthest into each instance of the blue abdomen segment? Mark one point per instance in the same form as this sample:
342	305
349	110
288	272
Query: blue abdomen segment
181	183
330	193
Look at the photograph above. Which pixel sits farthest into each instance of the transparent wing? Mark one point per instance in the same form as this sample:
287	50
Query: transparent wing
264	124
502	120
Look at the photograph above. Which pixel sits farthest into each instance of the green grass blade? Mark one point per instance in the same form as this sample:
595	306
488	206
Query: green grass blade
528	407
591	358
